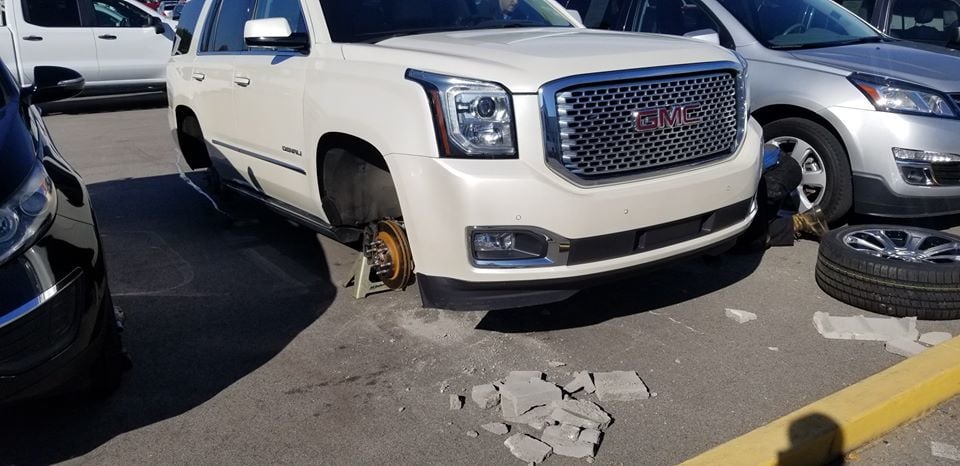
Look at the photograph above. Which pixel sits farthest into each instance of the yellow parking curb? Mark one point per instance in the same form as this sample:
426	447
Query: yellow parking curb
842	422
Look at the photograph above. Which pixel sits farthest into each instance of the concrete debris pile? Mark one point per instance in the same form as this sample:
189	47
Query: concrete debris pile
556	423
900	336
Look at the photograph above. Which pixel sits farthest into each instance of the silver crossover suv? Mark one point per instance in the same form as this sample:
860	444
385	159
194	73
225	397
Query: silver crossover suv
874	121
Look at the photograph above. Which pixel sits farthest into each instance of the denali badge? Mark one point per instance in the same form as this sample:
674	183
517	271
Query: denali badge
650	119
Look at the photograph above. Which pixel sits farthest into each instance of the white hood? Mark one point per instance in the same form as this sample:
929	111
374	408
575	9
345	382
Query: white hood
525	59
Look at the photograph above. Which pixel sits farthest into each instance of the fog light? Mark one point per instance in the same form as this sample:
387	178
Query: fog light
917	175
508	245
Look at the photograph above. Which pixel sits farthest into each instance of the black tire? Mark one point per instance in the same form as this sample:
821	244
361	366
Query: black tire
192	144
928	291
838	195
107	371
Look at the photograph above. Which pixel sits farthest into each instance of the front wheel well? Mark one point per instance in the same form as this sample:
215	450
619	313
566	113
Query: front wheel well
355	183
771	113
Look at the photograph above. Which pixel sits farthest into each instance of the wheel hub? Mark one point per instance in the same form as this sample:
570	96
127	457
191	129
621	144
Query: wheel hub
390	255
904	244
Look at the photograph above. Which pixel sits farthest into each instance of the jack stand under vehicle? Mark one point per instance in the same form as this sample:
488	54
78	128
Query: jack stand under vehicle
387	253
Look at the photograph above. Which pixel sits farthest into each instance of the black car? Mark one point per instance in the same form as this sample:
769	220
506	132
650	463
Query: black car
934	22
58	328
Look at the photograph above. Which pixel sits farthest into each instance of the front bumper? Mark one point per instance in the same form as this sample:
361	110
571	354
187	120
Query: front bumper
879	187
441	198
50	320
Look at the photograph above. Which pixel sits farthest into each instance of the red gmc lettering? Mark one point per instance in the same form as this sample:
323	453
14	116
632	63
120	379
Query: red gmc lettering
650	119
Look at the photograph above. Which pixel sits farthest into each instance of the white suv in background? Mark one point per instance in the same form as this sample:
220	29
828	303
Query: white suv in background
498	157
116	45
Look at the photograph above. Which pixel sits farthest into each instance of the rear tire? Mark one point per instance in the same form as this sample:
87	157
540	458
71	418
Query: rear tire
108	369
192	145
926	290
828	157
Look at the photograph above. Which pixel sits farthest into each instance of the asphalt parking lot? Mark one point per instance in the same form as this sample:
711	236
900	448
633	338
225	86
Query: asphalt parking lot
247	351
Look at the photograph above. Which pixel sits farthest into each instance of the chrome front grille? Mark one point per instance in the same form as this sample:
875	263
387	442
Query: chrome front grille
597	138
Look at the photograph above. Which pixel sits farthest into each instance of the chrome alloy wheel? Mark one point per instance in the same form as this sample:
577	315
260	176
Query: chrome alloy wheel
813	187
904	244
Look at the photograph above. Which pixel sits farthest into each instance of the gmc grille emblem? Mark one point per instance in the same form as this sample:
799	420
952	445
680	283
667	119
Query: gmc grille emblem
651	119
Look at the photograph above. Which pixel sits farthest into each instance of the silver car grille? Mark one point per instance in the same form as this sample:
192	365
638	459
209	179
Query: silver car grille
598	139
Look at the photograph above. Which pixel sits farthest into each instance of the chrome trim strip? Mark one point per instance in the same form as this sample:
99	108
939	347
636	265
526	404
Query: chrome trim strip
264	158
35	303
551	125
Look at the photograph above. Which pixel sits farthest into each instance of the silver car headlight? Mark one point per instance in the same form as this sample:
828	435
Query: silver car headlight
24	214
889	95
473	119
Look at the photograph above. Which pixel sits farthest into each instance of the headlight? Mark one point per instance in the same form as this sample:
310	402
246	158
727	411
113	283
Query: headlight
890	95
743	97
26	212
473	119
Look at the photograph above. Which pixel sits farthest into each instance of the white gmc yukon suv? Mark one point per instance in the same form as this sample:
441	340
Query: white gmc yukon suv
494	152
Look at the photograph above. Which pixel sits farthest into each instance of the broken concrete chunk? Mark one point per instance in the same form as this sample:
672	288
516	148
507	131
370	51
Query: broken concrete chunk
473	434
519	397
620	386
590	436
570	431
496	428
456	402
945	451
485	396
581	381
527	448
564	446
537	418
740	317
523	376
935	338
866	328
905	348
557	363
580	413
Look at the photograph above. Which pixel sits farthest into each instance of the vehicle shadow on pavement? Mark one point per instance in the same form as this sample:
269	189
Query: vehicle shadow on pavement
207	302
657	288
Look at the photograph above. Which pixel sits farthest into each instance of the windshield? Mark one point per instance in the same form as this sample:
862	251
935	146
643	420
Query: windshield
375	20
792	24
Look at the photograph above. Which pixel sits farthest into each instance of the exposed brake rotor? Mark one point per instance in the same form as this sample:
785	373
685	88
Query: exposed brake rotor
389	252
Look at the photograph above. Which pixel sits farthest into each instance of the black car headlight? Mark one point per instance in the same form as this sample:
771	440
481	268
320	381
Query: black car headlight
890	95
25	213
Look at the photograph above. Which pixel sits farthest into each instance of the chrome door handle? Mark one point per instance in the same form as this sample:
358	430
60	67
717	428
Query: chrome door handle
199	77
241	81
107	37
33	38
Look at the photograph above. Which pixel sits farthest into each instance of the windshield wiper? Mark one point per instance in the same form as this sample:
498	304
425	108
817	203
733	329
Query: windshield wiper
508	23
384	35
836	43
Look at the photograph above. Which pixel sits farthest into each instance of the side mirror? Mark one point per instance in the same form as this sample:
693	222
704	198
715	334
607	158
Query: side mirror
706	35
274	33
51	83
576	15
157	24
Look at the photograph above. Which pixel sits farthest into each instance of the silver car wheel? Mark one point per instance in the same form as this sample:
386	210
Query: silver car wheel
813	186
904	244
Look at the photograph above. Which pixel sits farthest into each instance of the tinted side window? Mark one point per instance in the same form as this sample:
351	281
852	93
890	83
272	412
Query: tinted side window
52	13
289	9
227	32
187	26
119	14
861	8
930	21
676	17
